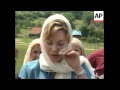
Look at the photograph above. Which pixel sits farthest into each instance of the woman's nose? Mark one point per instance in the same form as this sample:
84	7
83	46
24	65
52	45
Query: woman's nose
54	48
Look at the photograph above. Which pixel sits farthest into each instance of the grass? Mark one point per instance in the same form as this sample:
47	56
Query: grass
22	50
92	45
26	39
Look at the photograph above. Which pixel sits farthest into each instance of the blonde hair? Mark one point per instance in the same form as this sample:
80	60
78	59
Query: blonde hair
77	43
37	44
54	26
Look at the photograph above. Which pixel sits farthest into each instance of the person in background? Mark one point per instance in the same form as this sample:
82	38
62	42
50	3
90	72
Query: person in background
58	60
78	46
33	51
16	54
77	34
96	58
16	57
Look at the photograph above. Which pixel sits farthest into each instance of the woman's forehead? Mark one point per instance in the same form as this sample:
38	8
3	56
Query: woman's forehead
59	35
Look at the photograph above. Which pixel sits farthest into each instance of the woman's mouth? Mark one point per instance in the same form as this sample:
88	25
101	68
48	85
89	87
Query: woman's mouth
54	54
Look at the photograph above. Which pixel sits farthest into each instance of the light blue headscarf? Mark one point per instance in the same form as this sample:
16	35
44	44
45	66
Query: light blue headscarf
76	32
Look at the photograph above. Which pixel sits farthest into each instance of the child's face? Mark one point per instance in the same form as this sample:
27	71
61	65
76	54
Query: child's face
35	52
77	49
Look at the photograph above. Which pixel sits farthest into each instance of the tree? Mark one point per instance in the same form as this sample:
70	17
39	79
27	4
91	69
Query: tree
87	17
91	29
100	34
71	18
17	29
26	23
39	24
47	14
33	24
99	25
84	30
77	14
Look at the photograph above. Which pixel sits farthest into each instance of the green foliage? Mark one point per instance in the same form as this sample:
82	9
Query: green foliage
100	34
26	23
99	25
91	29
39	23
78	24
84	30
92	39
33	24
17	29
47	14
71	18
77	14
87	17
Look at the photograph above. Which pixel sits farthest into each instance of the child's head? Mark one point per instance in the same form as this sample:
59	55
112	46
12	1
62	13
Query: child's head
78	46
35	52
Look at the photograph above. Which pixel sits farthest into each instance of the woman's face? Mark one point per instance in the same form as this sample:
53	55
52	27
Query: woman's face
77	49
54	44
35	52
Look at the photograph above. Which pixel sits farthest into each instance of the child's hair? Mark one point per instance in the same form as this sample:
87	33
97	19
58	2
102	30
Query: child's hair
77	43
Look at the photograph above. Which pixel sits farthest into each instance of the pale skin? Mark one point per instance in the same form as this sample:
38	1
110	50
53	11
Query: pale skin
56	48
35	52
77	49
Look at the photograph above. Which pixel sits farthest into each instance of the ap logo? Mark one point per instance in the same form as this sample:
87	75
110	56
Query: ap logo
98	16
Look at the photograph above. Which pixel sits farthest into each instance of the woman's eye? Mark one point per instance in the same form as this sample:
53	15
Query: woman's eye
76	50
61	44
49	43
35	51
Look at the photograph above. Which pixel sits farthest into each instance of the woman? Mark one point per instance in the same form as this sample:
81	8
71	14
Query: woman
33	51
57	60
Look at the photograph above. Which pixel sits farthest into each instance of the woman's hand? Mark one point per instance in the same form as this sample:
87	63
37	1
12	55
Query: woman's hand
71	57
73	60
